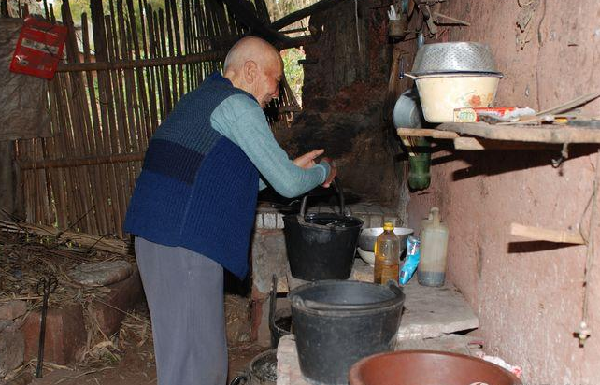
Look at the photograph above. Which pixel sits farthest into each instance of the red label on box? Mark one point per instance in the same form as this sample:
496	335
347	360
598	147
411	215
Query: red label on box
39	48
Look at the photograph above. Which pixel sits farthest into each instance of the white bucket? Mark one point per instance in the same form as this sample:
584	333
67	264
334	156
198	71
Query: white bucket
442	93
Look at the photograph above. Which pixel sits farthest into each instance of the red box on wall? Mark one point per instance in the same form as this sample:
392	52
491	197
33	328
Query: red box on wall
39	48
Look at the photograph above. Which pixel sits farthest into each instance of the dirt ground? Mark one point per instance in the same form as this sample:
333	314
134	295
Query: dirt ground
136	368
133	363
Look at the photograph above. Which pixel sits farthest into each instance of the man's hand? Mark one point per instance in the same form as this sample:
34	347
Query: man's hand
308	160
332	172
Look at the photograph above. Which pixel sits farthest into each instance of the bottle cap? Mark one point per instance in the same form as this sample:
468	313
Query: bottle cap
388	226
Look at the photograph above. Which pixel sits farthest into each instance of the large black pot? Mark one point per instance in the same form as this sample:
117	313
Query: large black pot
338	322
321	245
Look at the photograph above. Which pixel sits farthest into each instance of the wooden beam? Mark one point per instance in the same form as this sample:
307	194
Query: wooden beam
127	64
87	161
304	12
246	14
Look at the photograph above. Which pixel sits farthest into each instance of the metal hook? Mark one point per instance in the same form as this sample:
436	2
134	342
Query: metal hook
564	154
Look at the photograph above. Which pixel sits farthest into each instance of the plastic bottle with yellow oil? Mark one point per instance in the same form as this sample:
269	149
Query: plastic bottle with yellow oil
387	255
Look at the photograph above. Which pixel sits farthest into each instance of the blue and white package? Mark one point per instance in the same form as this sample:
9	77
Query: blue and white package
413	257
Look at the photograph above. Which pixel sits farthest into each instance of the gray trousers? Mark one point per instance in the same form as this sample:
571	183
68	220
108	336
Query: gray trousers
185	295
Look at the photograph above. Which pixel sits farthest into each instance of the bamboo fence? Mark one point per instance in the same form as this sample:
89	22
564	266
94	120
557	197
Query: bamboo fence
117	84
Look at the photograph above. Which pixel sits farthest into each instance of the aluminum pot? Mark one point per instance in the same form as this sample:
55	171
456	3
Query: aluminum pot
262	370
458	56
442	93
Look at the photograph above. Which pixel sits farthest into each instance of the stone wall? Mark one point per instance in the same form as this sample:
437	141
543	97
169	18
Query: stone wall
528	294
344	90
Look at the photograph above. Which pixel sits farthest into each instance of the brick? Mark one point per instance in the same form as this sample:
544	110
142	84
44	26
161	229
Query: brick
12	348
258	221
65	334
101	273
122	297
12	310
280	223
270	220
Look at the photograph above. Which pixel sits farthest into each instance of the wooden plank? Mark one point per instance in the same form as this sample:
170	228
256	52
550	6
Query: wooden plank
480	144
426	132
543	234
525	133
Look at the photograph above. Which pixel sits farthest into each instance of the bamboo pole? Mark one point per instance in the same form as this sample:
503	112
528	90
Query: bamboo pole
144	130
168	41
185	9
152	71
163	51
175	17
100	187
80	121
59	190
117	132
155	49
70	199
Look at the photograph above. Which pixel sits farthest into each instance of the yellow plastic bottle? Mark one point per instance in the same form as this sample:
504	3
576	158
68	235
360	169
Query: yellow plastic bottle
387	255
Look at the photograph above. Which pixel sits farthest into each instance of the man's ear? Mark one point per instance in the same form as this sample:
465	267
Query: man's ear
250	71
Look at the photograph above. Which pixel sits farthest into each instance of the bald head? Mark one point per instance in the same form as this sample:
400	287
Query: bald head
249	48
254	66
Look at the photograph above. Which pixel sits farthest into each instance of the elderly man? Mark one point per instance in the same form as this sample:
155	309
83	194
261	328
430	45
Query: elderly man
194	204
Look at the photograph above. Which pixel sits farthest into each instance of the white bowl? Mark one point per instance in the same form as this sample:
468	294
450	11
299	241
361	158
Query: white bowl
368	237
367	256
442	93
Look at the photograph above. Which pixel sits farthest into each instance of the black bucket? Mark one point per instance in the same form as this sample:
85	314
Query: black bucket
321	245
337	323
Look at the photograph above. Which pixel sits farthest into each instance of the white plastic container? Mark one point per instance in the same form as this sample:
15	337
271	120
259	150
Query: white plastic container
442	93
434	252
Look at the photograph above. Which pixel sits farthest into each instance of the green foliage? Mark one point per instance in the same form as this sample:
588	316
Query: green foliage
80	6
294	72
280	8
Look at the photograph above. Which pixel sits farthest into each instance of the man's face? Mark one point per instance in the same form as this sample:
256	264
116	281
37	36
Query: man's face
267	86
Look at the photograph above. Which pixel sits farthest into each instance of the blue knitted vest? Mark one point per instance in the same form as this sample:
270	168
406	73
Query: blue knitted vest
197	189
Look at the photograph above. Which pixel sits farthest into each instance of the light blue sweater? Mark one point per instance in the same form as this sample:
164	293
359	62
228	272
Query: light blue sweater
241	119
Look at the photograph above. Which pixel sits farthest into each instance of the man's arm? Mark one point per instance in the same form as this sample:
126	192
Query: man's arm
241	119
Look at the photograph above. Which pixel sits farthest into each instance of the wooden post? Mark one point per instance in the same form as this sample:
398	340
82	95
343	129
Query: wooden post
10	202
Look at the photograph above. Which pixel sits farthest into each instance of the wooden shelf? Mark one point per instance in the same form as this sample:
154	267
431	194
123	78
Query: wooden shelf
485	136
